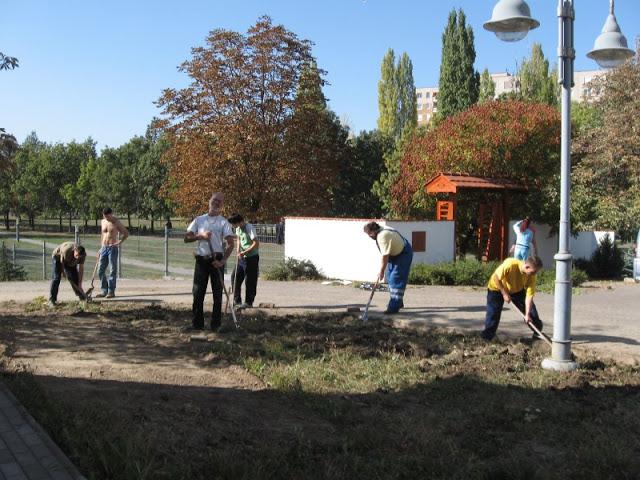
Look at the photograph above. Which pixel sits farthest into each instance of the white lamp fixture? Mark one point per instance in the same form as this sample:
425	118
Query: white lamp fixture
610	49
511	20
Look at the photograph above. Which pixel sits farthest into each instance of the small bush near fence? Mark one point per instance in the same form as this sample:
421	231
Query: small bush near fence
8	270
292	269
474	273
462	272
606	262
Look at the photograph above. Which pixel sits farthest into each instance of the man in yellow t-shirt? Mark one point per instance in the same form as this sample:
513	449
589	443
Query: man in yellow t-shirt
513	281
397	255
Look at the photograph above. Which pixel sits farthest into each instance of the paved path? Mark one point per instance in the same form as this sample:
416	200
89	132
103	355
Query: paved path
26	451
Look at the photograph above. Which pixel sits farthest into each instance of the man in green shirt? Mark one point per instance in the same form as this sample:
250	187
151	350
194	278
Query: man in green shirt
248	259
68	260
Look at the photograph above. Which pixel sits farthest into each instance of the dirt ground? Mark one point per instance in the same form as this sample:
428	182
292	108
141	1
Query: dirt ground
180	409
141	363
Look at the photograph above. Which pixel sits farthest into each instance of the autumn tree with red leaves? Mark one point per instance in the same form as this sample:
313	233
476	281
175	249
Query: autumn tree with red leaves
514	140
242	128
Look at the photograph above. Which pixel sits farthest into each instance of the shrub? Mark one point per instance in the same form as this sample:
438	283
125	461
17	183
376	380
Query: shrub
545	280
293	269
462	272
8	270
422	274
606	262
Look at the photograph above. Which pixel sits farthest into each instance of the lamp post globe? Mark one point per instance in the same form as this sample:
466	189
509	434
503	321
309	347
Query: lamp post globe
610	49
511	20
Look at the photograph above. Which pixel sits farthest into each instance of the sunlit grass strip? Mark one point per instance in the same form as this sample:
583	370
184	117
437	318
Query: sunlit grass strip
339	371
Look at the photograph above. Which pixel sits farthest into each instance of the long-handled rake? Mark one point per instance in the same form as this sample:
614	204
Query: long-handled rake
234	279
226	292
535	329
224	287
365	316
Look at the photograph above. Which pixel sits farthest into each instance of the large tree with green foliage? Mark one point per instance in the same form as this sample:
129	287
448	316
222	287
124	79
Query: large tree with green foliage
31	186
8	147
459	82
398	117
61	170
315	141
606	172
396	95
353	196
487	87
537	83
388	96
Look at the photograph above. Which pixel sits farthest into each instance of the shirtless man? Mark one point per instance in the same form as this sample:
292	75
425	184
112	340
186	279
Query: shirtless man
109	251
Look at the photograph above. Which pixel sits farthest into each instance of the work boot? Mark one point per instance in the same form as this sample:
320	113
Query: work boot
51	303
101	295
110	295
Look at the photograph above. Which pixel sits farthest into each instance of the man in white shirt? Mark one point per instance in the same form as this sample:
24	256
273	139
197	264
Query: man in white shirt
211	231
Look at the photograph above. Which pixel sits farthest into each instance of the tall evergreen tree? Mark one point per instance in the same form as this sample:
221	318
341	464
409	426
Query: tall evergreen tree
537	84
487	87
388	96
398	117
459	82
407	108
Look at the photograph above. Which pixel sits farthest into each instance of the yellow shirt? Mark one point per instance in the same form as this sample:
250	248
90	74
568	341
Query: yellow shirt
512	278
390	242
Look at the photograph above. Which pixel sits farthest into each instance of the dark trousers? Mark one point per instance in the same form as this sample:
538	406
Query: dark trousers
203	272
247	268
57	268
495	302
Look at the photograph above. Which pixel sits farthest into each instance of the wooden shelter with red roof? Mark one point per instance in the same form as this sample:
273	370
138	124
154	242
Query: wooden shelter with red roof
493	220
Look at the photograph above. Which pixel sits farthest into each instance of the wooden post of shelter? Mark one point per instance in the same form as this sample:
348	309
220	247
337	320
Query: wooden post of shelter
497	237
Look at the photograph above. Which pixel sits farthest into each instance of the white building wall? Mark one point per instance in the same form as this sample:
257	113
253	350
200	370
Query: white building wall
340	249
582	246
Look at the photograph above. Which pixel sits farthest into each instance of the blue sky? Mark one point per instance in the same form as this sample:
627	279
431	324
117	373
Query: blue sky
94	68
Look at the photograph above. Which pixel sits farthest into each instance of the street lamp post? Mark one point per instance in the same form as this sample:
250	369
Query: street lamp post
511	20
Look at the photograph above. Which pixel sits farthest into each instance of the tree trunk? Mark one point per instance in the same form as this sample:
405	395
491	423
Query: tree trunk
6	219
129	219
70	220
60	223
152	229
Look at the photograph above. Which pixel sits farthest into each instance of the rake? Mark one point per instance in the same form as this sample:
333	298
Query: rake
365	316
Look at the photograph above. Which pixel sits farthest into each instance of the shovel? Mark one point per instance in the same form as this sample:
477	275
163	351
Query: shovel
535	329
88	293
365	316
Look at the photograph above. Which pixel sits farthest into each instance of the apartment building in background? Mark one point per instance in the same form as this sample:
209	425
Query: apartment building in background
427	97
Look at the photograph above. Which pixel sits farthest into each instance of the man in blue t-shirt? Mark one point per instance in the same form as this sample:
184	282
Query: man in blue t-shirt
248	260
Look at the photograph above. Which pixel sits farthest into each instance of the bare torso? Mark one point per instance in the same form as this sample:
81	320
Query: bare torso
110	230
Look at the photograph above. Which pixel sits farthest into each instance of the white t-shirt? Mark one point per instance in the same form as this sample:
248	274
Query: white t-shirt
220	228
